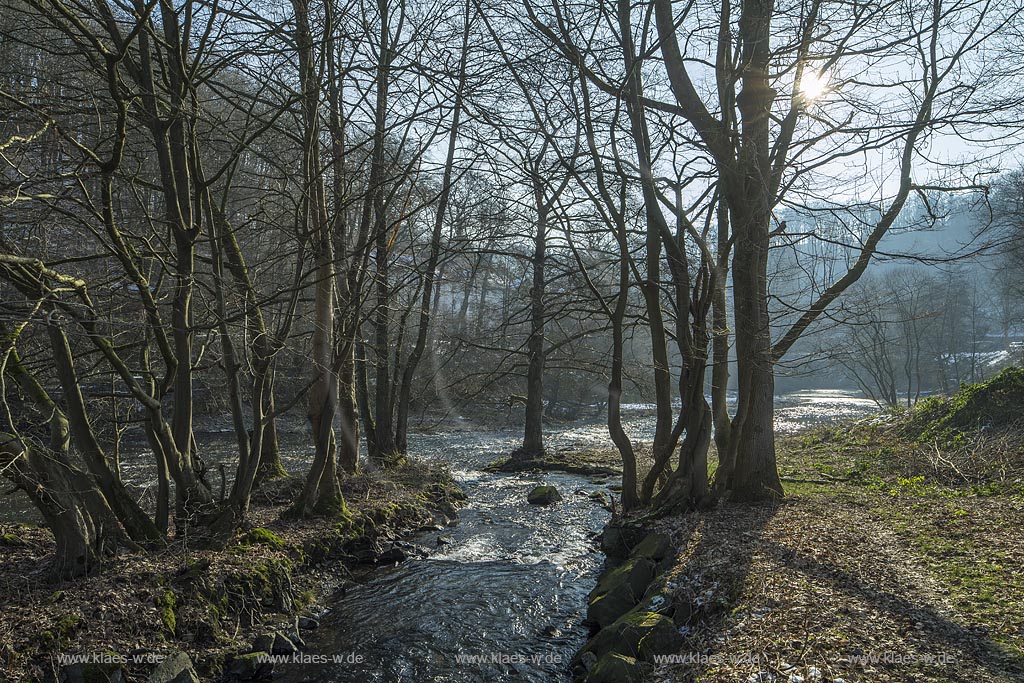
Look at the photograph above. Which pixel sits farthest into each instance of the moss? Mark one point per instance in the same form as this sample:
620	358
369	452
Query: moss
305	599
993	404
266	584
980	578
264	537
166	603
12	541
60	632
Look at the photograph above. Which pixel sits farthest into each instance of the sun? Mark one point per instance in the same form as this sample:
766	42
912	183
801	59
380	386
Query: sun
813	85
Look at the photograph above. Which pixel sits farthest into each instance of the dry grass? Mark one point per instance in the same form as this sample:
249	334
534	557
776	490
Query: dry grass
899	565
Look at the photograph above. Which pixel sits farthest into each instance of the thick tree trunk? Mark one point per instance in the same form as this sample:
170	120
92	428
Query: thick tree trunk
348	447
720	338
383	414
270	466
753	474
321	491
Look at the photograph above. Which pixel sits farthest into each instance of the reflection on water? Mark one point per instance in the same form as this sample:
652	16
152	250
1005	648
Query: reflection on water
801	409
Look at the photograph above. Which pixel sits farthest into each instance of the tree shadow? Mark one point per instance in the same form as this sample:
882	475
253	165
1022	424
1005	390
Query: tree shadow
938	628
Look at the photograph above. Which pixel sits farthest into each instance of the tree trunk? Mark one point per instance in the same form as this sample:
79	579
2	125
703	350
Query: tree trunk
533	435
440	208
383	414
720	337
136	522
321	492
53	488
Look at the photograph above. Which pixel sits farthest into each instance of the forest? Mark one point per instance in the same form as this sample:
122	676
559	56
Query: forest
299	299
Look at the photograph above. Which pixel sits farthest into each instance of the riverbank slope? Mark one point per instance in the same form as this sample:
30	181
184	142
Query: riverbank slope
896	556
216	607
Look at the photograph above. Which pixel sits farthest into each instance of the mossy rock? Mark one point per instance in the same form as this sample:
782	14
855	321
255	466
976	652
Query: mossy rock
618	540
264	537
266	585
655	547
620	590
601	498
251	666
543	495
55	636
106	669
638	634
176	668
166	602
615	668
636	572
662	638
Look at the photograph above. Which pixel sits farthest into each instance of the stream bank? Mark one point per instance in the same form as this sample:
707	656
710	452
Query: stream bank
185	614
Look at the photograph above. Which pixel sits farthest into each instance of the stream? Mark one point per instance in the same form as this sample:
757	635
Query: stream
505	600
504	597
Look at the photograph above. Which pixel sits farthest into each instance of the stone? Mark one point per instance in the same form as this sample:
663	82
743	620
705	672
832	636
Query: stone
93	672
392	555
263	642
543	495
614	668
251	667
283	645
445	540
620	590
637	634
662	637
608	606
175	668
654	547
617	540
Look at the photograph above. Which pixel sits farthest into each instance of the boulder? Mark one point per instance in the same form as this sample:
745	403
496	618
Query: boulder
637	634
620	590
654	546
93	672
175	668
250	667
543	495
617	540
614	668
392	555
283	645
263	642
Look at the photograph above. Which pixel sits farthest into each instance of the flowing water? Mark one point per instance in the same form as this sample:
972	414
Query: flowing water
504	598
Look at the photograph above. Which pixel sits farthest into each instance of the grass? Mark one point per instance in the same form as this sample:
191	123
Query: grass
895	539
